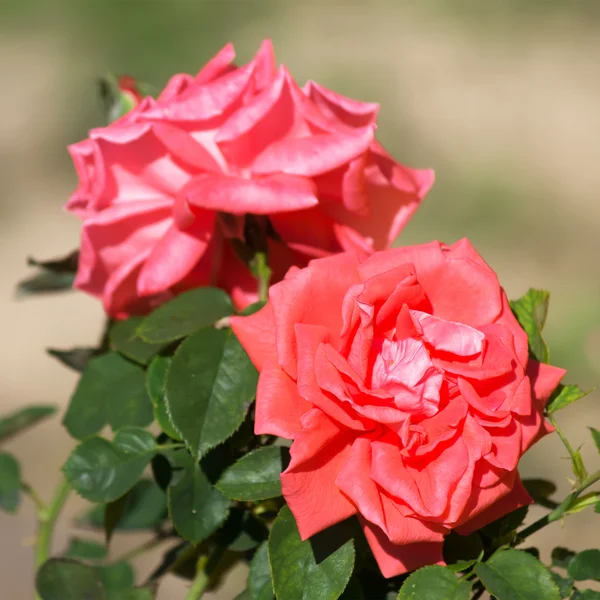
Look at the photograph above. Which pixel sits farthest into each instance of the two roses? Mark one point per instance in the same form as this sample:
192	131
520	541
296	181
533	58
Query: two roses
401	376
164	190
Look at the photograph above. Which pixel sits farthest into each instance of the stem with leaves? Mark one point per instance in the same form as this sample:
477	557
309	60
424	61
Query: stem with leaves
562	509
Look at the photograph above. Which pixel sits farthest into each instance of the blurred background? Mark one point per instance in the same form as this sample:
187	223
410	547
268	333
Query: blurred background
501	99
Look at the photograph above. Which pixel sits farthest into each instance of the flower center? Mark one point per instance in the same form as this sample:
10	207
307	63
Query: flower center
404	370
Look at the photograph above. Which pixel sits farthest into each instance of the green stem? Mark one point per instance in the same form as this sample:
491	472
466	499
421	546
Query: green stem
47	520
200	582
558	512
578	468
169	447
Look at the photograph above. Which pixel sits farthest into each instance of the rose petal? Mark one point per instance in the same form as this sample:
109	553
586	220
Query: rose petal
312	155
308	484
236	195
217	65
278	404
396	559
175	255
322	284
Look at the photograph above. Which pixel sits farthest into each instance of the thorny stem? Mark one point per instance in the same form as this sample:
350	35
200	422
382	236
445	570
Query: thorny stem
578	467
558	512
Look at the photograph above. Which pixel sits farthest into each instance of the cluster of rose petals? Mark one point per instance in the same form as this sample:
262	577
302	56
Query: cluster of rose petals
163	191
405	383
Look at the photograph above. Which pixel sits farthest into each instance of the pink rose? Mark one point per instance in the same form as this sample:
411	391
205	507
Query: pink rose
405	383
163	190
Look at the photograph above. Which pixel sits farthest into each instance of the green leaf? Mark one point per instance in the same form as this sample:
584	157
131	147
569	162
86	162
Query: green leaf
195	506
86	550
585	565
10	483
184	315
531	310
435	583
123	338
210	386
561	557
65	579
564	395
75	358
260	584
243	595
596	437
585	595
111	390
22	419
118	579
53	276
156	378
255	476
101	471
145	508
564	584
583	502
296	574
514	575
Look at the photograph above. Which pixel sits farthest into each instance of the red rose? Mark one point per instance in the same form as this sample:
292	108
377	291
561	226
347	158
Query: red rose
158	188
405	383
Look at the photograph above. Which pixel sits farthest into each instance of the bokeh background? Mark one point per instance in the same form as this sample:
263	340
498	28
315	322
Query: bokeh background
502	99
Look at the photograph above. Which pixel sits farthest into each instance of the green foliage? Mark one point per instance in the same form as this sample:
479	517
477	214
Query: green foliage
63	579
75	358
23	419
10	483
531	310
435	583
206	410
67	579
111	390
156	379
144	507
196	508
255	476
123	338
564	395
260	584
86	550
56	275
296	572
585	565
102	471
184	315
514	575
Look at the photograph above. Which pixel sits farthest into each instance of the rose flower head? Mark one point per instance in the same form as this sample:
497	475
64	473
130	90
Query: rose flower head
404	381
164	190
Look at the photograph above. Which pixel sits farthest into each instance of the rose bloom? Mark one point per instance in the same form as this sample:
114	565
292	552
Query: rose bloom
405	384
163	190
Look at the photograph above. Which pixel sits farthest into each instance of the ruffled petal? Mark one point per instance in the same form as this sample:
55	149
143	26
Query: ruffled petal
278	404
175	255
308	484
236	195
256	333
493	503
396	559
310	156
322	284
